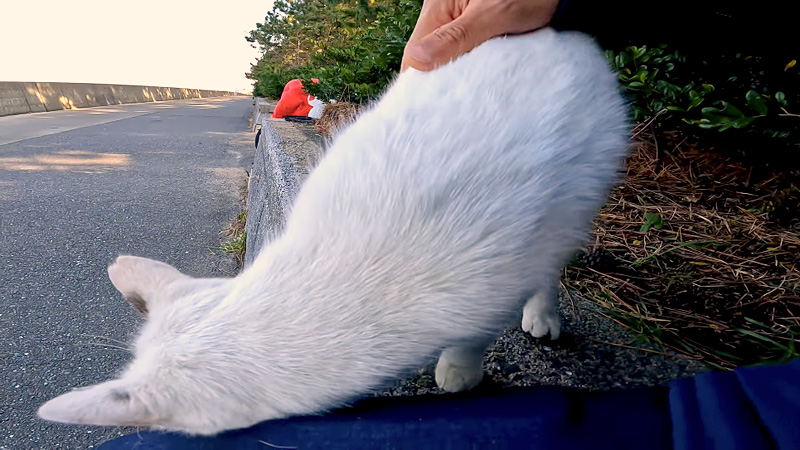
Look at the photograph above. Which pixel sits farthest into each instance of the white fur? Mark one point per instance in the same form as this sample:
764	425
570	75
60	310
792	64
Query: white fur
425	229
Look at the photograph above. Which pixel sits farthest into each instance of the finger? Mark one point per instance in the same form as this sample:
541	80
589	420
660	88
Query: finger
448	42
433	15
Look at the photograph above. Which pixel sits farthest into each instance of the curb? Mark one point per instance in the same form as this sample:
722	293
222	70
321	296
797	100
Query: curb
285	154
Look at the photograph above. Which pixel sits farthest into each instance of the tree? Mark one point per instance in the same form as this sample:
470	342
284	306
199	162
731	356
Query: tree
353	46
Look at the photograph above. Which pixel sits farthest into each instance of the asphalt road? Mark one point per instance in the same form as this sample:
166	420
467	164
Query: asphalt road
78	188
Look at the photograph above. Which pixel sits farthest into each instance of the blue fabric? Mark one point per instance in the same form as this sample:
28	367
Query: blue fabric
774	392
687	428
751	408
540	417
720	415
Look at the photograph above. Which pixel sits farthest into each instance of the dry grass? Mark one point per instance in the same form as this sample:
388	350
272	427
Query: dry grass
236	226
334	116
236	242
714	274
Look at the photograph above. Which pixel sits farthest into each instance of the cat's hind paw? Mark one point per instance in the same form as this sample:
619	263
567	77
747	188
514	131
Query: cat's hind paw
455	378
540	322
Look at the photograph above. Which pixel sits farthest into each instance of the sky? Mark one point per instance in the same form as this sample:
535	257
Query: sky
174	43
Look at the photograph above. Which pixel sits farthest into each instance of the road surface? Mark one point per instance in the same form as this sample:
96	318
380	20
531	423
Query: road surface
78	188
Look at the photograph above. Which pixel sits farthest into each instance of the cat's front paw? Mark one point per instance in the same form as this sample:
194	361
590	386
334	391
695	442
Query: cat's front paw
456	378
541	321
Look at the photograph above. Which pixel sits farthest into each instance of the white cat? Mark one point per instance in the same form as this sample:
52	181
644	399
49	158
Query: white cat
432	222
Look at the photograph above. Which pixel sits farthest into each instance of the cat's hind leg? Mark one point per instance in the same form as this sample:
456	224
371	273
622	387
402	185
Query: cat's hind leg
460	368
540	313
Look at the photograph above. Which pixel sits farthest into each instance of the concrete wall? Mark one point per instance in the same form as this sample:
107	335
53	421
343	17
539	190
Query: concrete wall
23	97
285	155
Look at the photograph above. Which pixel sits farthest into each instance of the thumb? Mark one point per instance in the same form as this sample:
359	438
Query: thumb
447	43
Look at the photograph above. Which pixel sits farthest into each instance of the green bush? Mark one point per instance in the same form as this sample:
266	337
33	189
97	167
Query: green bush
648	76
660	81
353	47
270	78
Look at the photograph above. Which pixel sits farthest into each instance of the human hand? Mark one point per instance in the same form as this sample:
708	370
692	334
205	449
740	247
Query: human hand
447	29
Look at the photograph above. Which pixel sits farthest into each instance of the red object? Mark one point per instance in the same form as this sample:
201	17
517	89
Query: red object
294	100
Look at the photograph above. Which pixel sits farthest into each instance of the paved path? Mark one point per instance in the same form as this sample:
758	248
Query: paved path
77	188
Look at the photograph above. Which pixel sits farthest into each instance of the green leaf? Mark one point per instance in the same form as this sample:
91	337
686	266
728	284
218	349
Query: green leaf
714	115
743	122
636	51
651	221
724	126
781	98
725	114
654	73
756	102
695	102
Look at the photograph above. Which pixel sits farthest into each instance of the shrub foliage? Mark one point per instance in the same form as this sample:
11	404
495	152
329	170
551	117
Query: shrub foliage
355	48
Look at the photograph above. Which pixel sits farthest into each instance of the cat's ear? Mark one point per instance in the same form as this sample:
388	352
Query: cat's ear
110	403
144	282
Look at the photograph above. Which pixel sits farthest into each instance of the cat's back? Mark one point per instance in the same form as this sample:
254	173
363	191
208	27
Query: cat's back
526	110
524	98
520	130
513	75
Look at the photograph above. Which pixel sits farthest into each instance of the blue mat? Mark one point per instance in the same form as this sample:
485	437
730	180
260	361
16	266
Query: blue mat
751	408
